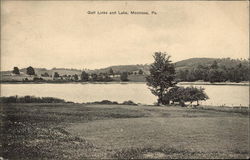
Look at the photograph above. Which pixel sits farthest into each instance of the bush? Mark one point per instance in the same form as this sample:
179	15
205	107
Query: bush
188	94
129	103
103	102
45	74
38	79
30	99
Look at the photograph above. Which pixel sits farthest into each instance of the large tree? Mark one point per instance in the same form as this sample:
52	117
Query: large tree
30	71
162	74
16	70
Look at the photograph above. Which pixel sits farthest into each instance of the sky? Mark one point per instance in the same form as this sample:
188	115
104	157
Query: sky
62	34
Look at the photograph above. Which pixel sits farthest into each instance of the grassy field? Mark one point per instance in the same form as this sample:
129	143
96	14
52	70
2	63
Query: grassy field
78	131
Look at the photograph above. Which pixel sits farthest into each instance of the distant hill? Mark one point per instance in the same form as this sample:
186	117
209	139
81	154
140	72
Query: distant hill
194	62
123	68
184	64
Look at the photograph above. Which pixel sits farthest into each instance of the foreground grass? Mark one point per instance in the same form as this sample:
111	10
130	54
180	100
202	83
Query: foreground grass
78	131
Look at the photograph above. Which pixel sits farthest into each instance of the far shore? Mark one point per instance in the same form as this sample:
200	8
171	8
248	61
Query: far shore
127	82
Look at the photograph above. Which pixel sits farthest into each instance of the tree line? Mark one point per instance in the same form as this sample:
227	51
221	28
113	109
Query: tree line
215	73
84	76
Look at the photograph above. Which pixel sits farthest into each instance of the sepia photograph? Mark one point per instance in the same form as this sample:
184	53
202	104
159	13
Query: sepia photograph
124	79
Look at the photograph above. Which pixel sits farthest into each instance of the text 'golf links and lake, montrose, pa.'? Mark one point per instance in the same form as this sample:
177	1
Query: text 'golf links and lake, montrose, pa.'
122	12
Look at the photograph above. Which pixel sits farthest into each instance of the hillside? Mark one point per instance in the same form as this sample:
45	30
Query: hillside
194	62
184	64
123	68
180	65
60	71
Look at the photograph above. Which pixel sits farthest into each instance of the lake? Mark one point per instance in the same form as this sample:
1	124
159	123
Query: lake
229	95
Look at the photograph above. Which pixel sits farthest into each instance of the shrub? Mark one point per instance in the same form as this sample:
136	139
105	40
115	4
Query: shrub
30	99
129	103
195	94
38	79
103	102
45	74
182	95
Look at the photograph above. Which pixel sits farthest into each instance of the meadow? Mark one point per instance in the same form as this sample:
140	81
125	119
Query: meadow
78	131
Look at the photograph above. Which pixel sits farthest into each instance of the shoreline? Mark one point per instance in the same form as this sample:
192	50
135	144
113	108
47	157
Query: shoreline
132	82
216	83
114	103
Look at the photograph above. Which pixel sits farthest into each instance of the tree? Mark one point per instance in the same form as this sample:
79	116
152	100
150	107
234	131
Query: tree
216	75
194	94
162	74
45	74
188	94
56	75
94	77
16	70
175	94
124	76
191	76
30	71
76	77
214	65
84	76
140	72
182	75
111	72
